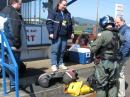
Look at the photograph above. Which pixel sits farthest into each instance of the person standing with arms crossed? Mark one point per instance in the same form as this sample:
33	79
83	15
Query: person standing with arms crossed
124	32
60	28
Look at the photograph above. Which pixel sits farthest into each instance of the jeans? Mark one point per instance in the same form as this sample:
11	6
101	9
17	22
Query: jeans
58	47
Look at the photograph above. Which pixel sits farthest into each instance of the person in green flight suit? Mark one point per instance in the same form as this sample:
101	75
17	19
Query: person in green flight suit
105	53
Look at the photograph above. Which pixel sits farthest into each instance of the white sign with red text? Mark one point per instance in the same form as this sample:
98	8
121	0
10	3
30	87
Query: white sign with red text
33	34
119	9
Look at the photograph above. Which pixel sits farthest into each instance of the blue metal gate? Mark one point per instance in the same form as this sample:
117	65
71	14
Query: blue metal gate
11	66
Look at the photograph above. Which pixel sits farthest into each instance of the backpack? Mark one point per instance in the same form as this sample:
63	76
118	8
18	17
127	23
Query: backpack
114	46
48	79
69	76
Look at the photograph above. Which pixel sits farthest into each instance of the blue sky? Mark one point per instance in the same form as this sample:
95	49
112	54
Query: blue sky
87	8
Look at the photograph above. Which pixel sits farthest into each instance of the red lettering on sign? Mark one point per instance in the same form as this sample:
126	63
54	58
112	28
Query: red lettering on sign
30	37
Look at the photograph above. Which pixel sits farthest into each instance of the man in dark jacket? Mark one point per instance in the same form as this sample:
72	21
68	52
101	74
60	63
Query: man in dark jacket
15	20
124	32
59	25
12	29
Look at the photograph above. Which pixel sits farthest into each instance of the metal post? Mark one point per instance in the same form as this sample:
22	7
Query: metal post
35	11
39	11
30	11
97	12
7	2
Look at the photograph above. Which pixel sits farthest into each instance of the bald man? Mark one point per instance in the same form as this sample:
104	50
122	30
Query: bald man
124	32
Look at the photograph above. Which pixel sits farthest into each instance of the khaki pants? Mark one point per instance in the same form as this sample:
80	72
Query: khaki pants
121	92
121	80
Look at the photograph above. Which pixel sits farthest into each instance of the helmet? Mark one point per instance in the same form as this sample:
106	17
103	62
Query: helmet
106	20
44	80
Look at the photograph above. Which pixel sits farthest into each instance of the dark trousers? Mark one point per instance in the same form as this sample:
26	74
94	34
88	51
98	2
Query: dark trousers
10	73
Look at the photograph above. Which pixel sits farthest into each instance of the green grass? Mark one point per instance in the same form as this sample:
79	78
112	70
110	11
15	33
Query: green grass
78	29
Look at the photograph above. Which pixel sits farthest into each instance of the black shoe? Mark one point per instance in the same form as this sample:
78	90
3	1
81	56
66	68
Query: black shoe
23	87
12	89
36	83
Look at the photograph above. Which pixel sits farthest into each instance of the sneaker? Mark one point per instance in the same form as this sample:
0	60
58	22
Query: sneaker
54	68
62	66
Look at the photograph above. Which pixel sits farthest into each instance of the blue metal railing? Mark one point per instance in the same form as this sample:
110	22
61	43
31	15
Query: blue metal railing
13	67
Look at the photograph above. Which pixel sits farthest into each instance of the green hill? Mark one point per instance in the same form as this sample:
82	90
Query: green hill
82	21
80	24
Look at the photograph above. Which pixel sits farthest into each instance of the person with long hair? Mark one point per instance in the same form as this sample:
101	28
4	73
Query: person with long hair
60	28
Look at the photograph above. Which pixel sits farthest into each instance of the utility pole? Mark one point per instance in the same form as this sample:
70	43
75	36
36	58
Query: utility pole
97	14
